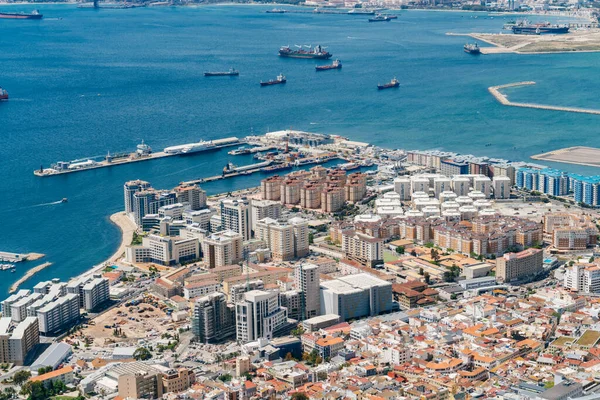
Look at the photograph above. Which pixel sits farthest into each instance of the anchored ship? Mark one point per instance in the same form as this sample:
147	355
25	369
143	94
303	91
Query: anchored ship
189	148
35	14
3	94
394	83
380	18
279	80
231	72
472	48
337	64
317	52
525	28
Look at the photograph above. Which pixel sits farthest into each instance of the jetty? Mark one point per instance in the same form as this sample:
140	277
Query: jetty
87	164
503	99
16	257
28	274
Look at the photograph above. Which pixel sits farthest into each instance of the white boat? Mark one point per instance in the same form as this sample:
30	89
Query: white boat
190	148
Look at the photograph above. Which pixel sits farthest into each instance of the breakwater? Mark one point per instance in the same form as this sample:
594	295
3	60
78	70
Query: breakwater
28	274
503	99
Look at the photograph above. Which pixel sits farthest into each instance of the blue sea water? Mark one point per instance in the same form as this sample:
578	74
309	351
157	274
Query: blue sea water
83	82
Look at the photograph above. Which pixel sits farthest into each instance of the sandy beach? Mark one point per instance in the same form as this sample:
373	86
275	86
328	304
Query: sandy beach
127	227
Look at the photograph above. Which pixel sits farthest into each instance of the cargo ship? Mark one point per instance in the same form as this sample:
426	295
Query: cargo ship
318	52
337	64
525	28
279	80
35	14
472	48
380	18
394	83
231	72
3	94
189	148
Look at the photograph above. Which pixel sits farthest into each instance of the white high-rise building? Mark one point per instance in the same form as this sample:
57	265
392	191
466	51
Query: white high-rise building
306	277
502	186
236	216
58	314
223	248
129	189
95	292
17	340
419	184
262	209
483	184
583	278
402	187
441	184
286	240
259	316
461	185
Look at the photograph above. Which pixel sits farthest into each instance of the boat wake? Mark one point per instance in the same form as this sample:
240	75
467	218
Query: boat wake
49	204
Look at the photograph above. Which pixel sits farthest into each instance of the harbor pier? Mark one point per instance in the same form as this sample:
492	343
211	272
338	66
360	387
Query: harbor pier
16	257
503	99
87	164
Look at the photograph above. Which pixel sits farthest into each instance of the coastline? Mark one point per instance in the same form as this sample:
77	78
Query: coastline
127	228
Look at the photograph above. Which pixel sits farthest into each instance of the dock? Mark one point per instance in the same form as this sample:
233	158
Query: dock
503	99
28	274
111	161
16	257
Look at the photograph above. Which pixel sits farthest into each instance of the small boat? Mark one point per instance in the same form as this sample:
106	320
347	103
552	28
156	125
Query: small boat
275	11
391	16
3	94
394	83
337	64
380	18
231	72
13	270
64	200
279	80
472	48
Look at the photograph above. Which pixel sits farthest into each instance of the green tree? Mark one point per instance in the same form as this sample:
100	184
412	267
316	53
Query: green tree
427	277
225	377
311	238
400	249
299	396
21	377
141	354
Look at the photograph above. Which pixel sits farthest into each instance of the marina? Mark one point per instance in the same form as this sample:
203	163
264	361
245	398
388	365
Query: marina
143	153
16	257
503	99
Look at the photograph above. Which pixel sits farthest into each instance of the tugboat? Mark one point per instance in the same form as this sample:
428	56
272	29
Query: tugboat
472	48
35	14
3	94
280	80
380	18
394	83
317	52
337	64
231	72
